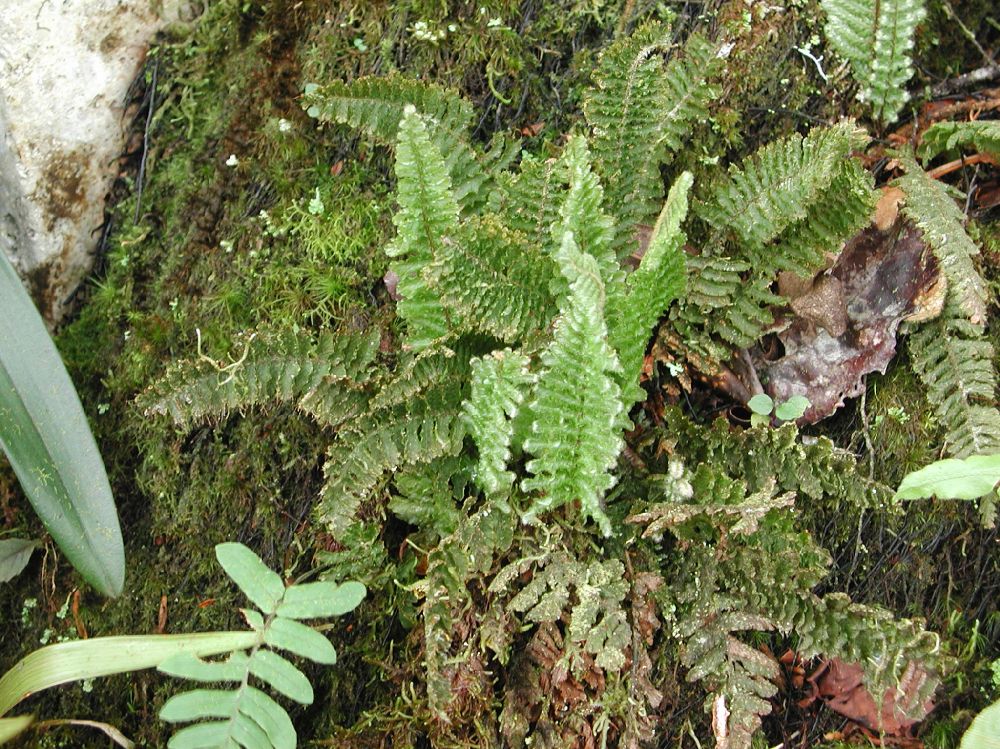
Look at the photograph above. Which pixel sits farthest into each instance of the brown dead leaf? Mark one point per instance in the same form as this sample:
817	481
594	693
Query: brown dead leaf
845	326
887	208
839	685
530	131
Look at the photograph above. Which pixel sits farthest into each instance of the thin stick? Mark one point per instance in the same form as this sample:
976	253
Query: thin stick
145	141
977	158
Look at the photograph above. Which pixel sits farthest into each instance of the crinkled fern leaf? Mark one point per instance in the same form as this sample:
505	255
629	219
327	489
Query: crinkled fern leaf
876	37
955	362
778	185
406	425
244	715
495	281
575	435
376	105
638	112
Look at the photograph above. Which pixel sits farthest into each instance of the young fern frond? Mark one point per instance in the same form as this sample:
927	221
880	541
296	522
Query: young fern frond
876	37
649	291
582	212
575	435
982	136
499	382
427	216
955	362
271	368
244	715
930	207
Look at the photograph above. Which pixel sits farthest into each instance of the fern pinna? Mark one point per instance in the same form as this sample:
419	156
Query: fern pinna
244	715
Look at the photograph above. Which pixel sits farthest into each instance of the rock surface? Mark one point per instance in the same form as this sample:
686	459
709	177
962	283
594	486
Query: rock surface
65	69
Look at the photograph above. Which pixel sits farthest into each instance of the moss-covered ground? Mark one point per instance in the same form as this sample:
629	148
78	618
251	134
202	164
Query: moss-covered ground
251	216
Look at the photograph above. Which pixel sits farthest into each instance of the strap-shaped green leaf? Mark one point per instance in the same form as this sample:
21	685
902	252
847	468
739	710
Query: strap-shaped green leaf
290	635
271	717
188	666
198	704
258	582
282	675
14	556
313	600
102	656
48	441
12	727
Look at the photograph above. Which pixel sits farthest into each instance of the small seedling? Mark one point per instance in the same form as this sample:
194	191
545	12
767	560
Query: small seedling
763	407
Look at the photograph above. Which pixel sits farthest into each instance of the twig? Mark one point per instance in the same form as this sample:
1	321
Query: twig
145	141
966	80
977	158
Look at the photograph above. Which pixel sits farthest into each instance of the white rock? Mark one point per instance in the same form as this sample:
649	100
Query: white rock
65	68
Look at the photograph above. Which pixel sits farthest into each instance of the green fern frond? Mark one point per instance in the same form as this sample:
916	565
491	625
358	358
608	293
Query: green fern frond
846	208
876	37
271	368
827	475
375	105
639	112
427	215
982	136
244	715
427	494
499	382
495	281
575	436
743	321
955	362
625	109
649	290
416	418
780	183
689	90
930	207
582	213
